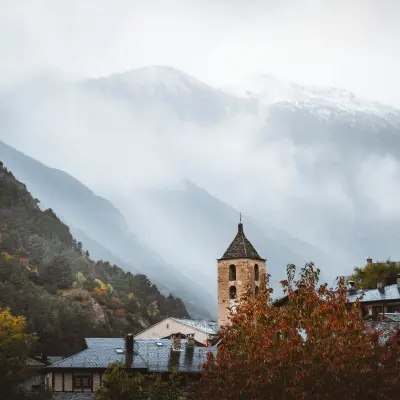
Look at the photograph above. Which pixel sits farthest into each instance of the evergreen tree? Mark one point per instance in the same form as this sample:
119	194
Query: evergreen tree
59	272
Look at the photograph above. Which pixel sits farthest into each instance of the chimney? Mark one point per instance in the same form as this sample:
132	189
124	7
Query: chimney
398	280
176	343
190	339
352	286
380	285
369	261
129	342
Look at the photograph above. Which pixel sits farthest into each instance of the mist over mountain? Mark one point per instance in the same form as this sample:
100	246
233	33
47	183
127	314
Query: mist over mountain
315	171
100	226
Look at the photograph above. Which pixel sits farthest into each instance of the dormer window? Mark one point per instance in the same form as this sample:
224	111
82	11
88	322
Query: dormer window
232	292
232	272
256	273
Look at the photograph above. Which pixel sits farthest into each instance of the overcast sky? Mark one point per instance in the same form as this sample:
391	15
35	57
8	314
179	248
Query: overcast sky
350	43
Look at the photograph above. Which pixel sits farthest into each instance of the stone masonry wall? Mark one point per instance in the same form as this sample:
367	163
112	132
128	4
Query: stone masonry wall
244	279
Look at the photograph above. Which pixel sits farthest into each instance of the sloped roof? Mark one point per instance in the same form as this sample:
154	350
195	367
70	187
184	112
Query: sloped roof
153	355
241	247
390	292
210	327
395	317
32	362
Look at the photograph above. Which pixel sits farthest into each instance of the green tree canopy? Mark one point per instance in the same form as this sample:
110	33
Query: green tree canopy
118	385
367	277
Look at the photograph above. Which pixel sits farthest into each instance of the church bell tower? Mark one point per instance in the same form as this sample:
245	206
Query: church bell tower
239	269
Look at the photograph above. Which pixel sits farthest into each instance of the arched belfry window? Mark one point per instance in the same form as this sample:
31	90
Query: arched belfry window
232	272
256	273
232	292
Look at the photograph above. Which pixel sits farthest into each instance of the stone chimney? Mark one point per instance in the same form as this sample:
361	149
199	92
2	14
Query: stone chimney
190	339
398	280
380	285
129	343
369	261
176	343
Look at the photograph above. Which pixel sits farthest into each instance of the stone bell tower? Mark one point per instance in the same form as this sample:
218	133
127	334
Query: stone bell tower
239	269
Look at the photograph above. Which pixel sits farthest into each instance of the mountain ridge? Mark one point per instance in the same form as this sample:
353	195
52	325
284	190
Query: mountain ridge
85	215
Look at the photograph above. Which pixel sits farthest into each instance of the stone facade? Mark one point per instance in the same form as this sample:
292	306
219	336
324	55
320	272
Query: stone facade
245	279
240	269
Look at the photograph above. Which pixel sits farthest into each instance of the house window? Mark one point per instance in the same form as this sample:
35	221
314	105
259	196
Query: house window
256	273
167	326
256	290
232	273
232	292
82	381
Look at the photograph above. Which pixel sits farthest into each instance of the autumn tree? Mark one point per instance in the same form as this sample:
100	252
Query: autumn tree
15	345
313	347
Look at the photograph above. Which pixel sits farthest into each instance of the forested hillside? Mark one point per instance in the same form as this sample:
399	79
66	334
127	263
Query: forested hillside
47	276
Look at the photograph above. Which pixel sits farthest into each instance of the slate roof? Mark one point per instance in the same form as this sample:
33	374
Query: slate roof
32	362
210	327
390	292
54	359
153	355
241	247
395	317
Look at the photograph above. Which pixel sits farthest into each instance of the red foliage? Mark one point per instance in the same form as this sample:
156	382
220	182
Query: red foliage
265	354
121	312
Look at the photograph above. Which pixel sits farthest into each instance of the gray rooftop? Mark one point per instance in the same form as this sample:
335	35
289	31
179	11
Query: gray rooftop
153	355
210	327
395	317
390	292
385	329
240	247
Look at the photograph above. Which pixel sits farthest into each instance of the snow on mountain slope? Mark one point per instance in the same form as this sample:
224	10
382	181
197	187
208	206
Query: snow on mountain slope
190	99
322	100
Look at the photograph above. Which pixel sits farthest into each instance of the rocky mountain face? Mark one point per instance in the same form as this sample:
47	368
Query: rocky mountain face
315	171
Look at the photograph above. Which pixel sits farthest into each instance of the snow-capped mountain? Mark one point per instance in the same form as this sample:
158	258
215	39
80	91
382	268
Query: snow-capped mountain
322	100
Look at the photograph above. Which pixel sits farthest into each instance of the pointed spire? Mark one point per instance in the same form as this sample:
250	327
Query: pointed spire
241	246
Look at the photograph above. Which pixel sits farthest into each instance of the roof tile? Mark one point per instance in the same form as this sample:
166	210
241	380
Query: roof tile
240	247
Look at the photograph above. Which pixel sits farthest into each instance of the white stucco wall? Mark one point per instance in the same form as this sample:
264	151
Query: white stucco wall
68	382
168	327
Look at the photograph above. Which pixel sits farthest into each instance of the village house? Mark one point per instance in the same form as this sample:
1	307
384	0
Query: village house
204	332
374	302
83	372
